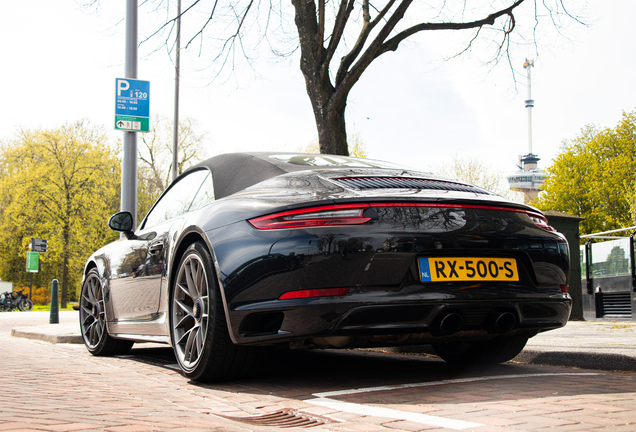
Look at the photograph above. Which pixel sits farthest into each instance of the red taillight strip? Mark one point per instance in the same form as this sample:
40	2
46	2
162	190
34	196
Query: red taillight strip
277	221
471	206
324	292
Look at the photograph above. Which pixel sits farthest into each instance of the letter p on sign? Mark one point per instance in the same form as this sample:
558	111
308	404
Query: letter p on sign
122	86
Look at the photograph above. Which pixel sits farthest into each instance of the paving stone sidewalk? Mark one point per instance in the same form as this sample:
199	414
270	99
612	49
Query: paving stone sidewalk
60	387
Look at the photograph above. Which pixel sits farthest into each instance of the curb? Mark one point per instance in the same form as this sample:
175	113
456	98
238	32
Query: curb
577	357
608	361
50	333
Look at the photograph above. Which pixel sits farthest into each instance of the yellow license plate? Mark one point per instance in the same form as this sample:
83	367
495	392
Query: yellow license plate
467	269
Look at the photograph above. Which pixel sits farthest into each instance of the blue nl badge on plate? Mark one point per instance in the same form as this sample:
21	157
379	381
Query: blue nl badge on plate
425	272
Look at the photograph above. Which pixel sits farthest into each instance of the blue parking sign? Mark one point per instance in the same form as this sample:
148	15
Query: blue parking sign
132	97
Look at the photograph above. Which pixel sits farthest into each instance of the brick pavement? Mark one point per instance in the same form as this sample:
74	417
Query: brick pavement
46	387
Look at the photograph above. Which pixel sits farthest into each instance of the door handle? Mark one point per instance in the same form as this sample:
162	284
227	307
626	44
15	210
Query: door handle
156	248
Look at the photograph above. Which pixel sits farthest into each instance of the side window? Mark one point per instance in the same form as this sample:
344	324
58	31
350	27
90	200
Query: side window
177	200
205	195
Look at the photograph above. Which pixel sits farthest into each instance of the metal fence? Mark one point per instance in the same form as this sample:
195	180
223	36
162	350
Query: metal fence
608	276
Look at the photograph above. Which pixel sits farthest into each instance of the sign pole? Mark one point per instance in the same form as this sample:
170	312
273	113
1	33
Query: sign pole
175	135
129	163
33	259
32	266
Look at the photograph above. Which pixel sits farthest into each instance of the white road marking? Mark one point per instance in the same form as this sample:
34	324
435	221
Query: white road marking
367	267
436	383
394	414
323	399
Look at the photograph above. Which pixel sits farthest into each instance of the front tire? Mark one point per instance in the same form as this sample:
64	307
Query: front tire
25	305
93	320
199	332
492	351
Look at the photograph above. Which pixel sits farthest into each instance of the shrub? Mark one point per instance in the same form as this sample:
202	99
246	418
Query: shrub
41	295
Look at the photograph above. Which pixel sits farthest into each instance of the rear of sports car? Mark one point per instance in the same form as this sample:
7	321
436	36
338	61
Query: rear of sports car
387	260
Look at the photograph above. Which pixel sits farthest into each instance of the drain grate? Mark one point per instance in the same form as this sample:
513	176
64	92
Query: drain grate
286	418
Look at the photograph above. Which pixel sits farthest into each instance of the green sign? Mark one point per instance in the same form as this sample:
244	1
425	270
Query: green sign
133	124
32	262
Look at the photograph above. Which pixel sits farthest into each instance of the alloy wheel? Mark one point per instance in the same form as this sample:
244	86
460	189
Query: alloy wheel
92	313
190	310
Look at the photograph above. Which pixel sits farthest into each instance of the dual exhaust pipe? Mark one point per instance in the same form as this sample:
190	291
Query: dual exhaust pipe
452	322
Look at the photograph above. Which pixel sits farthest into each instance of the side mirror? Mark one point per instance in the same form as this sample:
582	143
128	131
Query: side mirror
122	222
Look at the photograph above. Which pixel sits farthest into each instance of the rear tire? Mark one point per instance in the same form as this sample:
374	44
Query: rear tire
493	351
93	320
199	332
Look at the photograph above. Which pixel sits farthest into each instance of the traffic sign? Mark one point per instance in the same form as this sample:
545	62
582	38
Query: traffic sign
39	245
132	105
32	262
134	124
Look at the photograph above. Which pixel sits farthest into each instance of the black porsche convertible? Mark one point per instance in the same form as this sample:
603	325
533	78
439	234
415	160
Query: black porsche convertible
252	250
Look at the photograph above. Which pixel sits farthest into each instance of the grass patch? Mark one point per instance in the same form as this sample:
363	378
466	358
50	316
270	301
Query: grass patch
69	306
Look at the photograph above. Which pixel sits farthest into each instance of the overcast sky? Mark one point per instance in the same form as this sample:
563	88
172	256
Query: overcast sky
60	63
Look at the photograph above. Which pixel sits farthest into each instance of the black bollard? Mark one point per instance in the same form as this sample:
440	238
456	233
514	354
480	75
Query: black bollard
54	318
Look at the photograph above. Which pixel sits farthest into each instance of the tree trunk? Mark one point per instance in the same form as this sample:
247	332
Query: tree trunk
327	101
332	131
329	112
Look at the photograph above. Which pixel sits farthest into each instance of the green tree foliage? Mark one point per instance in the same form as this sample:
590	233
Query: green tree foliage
594	177
62	185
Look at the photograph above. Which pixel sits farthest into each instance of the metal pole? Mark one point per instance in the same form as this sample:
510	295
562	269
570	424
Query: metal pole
608	232
31	274
129	163
54	315
588	267
632	256
175	137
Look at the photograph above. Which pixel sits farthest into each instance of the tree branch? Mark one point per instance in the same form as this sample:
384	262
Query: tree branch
392	44
367	27
173	20
346	7
321	26
380	45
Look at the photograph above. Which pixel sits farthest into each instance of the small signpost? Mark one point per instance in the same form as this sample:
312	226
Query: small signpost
39	245
33	262
132	105
33	259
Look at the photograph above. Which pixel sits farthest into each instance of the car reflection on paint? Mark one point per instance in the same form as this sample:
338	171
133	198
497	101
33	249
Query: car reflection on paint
247	251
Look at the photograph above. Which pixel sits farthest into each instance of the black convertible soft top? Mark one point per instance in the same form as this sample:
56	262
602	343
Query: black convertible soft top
234	172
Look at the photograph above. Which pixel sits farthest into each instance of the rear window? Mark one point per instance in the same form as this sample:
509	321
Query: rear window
328	161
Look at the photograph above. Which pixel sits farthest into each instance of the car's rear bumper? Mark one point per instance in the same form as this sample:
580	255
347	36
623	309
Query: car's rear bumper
410	316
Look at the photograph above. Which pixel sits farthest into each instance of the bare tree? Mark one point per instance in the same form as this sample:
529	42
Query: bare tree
339	40
479	173
155	156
